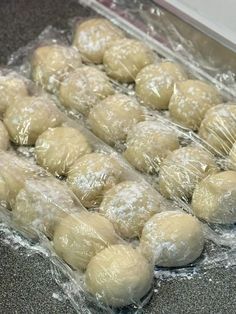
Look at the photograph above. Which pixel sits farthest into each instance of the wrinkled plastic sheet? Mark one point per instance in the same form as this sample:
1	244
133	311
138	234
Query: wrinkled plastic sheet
220	240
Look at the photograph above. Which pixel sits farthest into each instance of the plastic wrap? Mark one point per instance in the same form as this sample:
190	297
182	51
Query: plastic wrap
85	201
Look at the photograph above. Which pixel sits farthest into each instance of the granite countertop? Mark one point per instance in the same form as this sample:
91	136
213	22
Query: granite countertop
26	282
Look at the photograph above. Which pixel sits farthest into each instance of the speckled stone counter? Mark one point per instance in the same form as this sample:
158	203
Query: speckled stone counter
26	282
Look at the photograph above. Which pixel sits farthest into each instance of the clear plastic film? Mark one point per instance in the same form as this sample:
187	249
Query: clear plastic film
131	108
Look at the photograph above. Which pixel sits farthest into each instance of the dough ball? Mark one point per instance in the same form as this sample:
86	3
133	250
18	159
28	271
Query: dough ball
92	175
14	171
12	87
183	169
78	237
218	128
214	198
128	205
57	149
4	137
112	118
51	63
118	276
4	194
83	88
30	117
172	239
94	36
125	58
154	84
41	203
148	143
190	101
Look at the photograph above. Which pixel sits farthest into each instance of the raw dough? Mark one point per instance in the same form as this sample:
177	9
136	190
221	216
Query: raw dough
118	276
12	87
183	169
148	143
57	149
191	100
125	58
30	117
78	237
4	137
214	198
154	84
14	171
218	128
93	37
112	118
172	239
128	205
83	88
51	63
41	204
92	175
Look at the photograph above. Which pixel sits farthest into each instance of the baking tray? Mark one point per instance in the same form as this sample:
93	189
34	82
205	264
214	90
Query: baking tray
26	282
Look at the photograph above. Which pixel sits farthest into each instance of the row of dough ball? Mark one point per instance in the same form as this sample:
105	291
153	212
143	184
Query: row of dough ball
129	60
170	238
159	86
192	172
112	275
155	83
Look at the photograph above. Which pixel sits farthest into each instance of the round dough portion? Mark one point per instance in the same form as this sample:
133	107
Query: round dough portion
41	204
218	128
30	117
4	137
113	117
172	239
148	143
93	37
128	205
183	169
154	84
78	237
214	198
12	87
51	63
125	58
14	172
118	276
57	149
83	88
92	175
190	101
